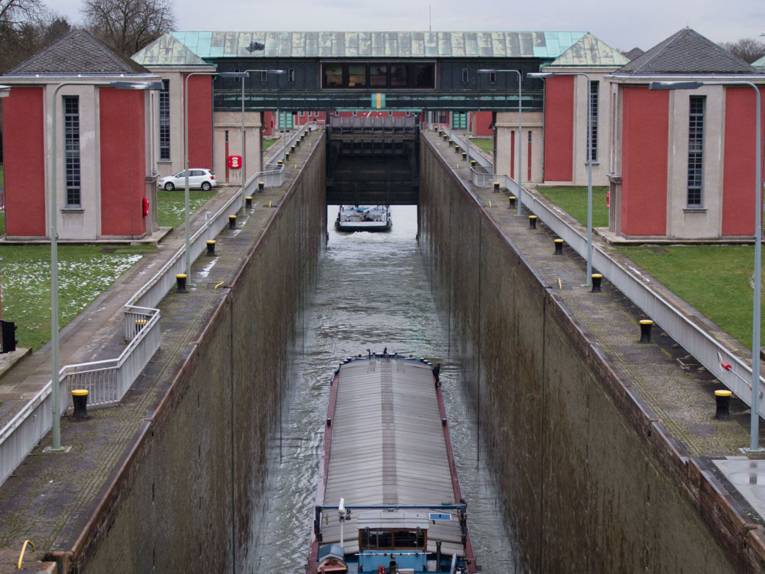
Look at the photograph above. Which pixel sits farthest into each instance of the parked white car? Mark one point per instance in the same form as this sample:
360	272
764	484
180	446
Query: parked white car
199	178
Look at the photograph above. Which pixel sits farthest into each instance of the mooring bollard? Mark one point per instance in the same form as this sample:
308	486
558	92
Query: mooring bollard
532	221
464	156
286	157
180	282
232	221
261	186
558	246
80	401
511	201
248	202
211	247
473	163
645	330
722	404
280	163
457	149
597	281
496	187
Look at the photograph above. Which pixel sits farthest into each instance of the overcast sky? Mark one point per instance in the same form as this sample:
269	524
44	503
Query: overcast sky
620	23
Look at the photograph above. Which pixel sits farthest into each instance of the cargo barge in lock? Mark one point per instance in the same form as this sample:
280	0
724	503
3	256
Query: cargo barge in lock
389	499
363	218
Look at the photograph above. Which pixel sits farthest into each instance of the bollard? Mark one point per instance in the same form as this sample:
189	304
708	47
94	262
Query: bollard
645	330
558	246
532	221
232	221
496	187
292	149
261	186
473	163
597	280
464	157
80	400
722	404
248	202
457	149
211	247
286	157
180	282
280	163
511	201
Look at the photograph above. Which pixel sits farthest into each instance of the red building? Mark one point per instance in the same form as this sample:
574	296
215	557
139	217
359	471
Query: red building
101	164
683	161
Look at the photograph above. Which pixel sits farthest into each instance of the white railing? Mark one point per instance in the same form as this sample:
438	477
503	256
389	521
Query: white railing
480	177
107	381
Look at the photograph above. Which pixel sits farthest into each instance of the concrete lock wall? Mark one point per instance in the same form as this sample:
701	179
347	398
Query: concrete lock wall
586	485
184	500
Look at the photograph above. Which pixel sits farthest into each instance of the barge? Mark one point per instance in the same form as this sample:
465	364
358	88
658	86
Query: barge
389	499
363	218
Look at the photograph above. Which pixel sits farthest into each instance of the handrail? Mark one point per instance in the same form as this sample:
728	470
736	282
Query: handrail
26	544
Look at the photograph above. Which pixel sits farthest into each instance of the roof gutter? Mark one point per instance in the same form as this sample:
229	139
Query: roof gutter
85	79
690	77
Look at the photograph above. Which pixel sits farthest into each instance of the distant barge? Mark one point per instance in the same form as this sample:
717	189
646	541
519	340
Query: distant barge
363	218
389	499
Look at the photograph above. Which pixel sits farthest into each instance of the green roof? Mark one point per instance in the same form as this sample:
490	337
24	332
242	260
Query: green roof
590	52
214	45
760	63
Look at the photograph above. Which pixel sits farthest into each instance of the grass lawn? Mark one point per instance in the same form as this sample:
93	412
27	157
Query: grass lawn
268	142
715	279
170	205
573	200
85	271
486	144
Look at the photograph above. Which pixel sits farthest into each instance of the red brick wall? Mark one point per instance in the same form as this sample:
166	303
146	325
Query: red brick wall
122	162
24	162
645	140
559	129
200	122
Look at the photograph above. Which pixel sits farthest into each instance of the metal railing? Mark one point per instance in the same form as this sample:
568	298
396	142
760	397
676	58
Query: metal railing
480	177
719	360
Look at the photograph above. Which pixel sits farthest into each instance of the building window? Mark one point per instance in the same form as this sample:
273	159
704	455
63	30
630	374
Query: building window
465	76
292	75
378	75
398	76
594	90
357	76
696	150
164	121
492	77
72	150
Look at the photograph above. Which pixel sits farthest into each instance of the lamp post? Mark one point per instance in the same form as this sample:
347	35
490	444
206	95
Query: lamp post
588	278
244	141
754	420
186	200
53	231
519	203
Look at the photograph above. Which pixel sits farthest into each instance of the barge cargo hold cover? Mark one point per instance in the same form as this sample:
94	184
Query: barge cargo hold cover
389	499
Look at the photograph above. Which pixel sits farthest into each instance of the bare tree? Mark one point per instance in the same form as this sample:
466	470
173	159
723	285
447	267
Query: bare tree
15	13
748	49
128	25
25	28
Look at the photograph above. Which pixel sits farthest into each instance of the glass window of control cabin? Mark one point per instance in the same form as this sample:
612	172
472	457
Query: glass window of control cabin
333	75
378	75
424	76
357	76
398	76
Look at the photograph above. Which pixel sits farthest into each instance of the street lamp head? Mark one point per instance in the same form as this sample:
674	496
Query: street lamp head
487	71
232	74
539	74
5	91
675	85
153	86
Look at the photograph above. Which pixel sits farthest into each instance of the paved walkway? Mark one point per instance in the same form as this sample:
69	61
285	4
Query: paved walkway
51	497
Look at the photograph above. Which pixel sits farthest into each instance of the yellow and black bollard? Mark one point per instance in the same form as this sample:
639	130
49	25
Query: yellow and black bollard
511	201
211	247
558	246
232	221
645	330
261	186
180	282
532	221
80	401
722	404
597	282
464	156
496	187
248	202
473	163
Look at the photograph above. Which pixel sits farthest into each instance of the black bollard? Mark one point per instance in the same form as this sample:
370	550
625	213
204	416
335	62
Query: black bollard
511	201
248	202
211	247
532	221
645	330
232	221
496	187
558	246
464	157
80	400
597	280
261	187
722	404
180	282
